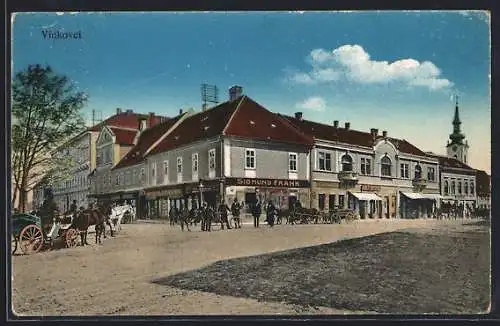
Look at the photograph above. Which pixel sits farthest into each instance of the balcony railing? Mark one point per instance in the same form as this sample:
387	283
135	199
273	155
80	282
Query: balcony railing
419	183
348	176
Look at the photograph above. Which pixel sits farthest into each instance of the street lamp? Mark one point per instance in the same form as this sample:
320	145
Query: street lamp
201	185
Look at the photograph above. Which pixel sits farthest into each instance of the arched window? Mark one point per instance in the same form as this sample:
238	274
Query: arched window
386	166
346	161
446	189
459	187
466	188
472	188
452	188
418	171
455	156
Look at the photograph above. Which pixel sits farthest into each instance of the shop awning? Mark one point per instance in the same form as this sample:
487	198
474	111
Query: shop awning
365	196
413	195
432	196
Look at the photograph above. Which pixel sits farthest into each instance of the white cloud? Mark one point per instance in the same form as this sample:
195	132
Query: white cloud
353	63
314	103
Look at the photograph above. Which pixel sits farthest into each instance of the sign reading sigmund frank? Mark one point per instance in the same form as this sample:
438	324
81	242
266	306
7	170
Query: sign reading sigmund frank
258	182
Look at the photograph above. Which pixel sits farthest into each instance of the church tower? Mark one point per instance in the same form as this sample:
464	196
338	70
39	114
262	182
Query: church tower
456	147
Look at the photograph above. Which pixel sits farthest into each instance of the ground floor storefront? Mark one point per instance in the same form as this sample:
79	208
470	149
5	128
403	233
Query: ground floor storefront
374	201
134	198
459	207
282	193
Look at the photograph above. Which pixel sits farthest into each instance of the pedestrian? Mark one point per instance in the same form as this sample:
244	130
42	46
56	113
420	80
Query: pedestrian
256	211
271	211
223	210
235	210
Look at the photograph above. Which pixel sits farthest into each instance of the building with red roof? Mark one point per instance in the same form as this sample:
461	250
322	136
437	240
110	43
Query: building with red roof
375	175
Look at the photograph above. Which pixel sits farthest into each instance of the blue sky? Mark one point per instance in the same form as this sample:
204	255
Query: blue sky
394	71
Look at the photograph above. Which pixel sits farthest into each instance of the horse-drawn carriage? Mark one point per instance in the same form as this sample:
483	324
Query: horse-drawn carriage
337	215
29	234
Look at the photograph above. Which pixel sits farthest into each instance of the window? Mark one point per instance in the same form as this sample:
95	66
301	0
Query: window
341	201
179	165
143	174
452	188
153	171
431	174
134	177
366	166
472	188
194	158
165	171
117	179
418	172
405	174
346	162
466	188
321	201
211	159
324	161
292	162
386	166
109	179
250	159
331	202
459	187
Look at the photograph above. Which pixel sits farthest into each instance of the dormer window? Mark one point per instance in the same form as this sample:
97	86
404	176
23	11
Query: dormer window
206	128
252	122
273	125
143	124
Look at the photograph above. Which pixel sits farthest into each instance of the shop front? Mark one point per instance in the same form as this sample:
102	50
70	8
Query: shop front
283	193
159	200
366	204
419	205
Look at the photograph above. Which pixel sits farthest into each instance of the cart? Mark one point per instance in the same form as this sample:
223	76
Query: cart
304	216
29	235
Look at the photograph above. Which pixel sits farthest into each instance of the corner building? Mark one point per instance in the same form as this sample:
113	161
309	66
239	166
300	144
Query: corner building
375	175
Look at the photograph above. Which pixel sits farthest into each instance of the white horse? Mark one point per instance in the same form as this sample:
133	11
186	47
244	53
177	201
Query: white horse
117	214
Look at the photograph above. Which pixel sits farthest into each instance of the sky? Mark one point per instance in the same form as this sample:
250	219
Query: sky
394	71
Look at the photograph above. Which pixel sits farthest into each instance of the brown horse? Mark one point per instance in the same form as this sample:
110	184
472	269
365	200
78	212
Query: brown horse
88	217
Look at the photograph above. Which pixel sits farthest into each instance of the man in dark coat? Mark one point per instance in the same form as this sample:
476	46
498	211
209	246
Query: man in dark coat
256	211
271	212
235	210
223	210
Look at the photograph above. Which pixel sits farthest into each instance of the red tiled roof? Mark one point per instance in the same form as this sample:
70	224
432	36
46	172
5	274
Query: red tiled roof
237	116
128	120
205	124
145	141
448	162
124	136
483	183
253	121
348	136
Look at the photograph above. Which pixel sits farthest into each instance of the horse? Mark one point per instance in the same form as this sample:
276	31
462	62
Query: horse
88	217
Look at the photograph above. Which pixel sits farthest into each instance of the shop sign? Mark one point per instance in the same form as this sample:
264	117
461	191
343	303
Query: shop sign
272	183
164	193
371	188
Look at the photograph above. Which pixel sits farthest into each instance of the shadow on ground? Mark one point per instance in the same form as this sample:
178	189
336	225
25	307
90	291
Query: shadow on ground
396	272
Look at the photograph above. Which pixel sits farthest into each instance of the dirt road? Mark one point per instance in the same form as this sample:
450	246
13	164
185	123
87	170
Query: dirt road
116	277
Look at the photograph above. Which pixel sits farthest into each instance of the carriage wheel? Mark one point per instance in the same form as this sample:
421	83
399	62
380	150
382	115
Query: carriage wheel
71	238
31	239
14	244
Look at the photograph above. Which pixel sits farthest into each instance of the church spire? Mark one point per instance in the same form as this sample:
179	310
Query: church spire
456	137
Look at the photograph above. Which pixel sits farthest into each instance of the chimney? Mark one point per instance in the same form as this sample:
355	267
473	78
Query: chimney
374	132
235	92
336	123
298	116
384	134
118	111
180	111
130	111
151	119
143	124
347	125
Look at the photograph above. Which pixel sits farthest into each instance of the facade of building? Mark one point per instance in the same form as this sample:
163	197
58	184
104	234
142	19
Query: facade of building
235	150
483	193
457	183
113	143
375	175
